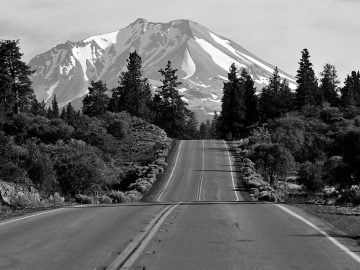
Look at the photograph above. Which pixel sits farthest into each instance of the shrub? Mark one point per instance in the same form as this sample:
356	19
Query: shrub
83	199
105	199
117	196
310	175
119	128
56	199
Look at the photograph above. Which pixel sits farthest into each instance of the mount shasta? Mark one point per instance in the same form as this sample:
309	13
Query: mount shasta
202	58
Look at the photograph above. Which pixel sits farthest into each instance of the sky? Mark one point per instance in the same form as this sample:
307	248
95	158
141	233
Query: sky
274	30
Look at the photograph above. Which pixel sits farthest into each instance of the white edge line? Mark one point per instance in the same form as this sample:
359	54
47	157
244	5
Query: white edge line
333	240
202	170
231	172
30	216
172	172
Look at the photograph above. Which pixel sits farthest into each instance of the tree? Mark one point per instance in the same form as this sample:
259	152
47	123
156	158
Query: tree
71	114
329	84
96	102
276	99
53	112
233	105
250	98
273	160
174	115
38	108
350	93
16	93
307	92
133	94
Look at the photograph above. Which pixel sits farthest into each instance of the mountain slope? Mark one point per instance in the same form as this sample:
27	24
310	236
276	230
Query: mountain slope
201	56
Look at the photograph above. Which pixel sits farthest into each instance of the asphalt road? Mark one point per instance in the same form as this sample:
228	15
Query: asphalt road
211	228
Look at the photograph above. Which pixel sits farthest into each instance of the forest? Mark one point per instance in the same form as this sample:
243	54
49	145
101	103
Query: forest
311	135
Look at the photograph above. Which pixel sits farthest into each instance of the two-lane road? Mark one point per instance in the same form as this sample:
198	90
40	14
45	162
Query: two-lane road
211	228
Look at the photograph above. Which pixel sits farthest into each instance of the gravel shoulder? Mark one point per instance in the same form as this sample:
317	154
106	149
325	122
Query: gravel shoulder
346	219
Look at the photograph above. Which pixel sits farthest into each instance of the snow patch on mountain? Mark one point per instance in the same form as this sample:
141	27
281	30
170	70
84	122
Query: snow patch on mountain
225	44
188	65
104	40
262	80
185	99
182	90
83	55
221	59
199	84
50	91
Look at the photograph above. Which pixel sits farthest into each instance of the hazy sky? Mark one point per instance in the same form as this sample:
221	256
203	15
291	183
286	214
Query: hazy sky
274	30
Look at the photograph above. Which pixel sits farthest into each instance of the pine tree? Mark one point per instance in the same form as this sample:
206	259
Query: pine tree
173	115
233	104
250	99
133	94
71	114
307	92
350	93
54	108
96	102
15	84
329	84
276	99
63	115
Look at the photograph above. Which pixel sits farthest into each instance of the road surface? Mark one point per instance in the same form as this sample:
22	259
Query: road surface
196	219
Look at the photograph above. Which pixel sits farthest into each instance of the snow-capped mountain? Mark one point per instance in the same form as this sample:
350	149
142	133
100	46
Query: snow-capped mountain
202	58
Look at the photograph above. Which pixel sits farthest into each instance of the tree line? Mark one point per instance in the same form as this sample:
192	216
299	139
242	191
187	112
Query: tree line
93	149
312	133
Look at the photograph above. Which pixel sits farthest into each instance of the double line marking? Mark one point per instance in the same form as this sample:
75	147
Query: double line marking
198	196
130	254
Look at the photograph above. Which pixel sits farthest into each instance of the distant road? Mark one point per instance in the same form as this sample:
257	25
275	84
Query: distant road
197	220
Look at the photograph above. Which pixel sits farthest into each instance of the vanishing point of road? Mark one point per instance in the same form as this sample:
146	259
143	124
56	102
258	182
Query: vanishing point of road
194	218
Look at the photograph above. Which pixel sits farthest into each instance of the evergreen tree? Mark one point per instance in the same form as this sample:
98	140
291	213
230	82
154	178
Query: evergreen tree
63	115
276	99
133	94
71	114
96	102
250	98
54	108
233	104
286	98
172	113
329	84
307	92
215	125
350	93
16	93
38	108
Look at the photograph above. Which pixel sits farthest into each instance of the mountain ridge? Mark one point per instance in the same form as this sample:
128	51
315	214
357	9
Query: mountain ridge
201	56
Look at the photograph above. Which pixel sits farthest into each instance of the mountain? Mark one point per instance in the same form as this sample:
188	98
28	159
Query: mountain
201	57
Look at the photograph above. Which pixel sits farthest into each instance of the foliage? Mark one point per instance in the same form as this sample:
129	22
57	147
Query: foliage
307	91
233	104
16	93
169	110
133	94
95	103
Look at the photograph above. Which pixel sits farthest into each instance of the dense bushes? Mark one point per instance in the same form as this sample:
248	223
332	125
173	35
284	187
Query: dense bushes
92	155
321	146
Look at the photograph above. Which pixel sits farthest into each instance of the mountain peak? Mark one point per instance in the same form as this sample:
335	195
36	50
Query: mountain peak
202	58
139	21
